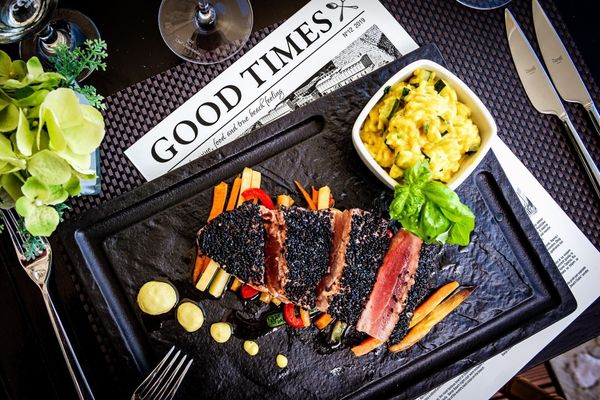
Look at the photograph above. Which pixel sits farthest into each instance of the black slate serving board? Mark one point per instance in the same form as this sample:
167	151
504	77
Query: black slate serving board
149	233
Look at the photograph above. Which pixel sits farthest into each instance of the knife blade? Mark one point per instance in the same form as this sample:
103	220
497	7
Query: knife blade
542	94
560	66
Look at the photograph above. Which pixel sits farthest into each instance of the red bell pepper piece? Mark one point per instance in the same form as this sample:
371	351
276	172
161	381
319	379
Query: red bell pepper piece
289	314
261	195
248	292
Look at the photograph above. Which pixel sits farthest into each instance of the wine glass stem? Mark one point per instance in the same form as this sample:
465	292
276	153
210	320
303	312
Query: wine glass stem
206	16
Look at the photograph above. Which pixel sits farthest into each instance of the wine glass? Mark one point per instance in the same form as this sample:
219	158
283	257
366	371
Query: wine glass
203	32
40	28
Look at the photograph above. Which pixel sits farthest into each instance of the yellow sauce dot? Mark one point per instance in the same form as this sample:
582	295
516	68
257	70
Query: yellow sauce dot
281	360
220	332
156	298
251	347
190	316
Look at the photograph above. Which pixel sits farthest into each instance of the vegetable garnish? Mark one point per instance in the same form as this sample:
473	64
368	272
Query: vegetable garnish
235	192
261	195
366	346
323	321
281	361
420	330
275	319
219	196
248	292
431	210
432	302
289	314
307	197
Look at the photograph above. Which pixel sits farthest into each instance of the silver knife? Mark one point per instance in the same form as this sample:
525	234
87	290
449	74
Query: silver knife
542	94
560	66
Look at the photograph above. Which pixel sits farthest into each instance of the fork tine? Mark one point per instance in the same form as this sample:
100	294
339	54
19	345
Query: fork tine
13	230
156	385
150	379
169	395
165	384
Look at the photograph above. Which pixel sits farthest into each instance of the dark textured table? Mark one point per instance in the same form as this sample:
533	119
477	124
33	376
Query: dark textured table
31	365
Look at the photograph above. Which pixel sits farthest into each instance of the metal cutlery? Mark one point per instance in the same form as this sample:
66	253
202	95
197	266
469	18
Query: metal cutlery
38	269
560	66
542	94
164	380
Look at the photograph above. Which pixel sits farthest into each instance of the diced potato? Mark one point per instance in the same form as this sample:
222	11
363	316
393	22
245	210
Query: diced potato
246	184
284	200
276	301
323	199
219	283
265	297
207	276
255	182
236	284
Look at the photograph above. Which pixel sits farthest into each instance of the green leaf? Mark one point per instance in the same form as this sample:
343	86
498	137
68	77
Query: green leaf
5	66
24	206
42	221
9	118
25	137
34	190
12	185
34	68
79	162
430	209
73	186
49	168
56	195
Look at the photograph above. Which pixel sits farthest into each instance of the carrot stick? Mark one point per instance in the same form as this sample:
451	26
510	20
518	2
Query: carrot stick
366	346
428	305
314	195
311	204
219	196
420	330
323	320
235	192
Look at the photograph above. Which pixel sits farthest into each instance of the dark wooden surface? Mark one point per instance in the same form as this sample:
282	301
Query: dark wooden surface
31	366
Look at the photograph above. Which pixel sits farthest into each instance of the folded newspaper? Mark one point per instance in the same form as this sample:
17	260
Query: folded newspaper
316	51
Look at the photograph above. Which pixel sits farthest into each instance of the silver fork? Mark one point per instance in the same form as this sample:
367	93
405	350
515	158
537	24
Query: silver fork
38	269
164	380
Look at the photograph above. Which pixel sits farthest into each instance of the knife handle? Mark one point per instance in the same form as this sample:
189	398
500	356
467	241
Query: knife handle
594	116
588	162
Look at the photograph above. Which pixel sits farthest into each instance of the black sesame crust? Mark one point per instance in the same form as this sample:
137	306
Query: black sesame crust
236	240
418	291
306	250
366	249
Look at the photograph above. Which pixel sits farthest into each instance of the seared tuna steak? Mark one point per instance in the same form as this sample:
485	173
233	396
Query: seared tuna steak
365	249
236	241
305	253
394	280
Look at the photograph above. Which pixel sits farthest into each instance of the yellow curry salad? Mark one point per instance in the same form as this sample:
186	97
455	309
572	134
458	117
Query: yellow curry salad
420	120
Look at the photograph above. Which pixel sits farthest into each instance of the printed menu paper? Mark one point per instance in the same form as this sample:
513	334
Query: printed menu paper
316	51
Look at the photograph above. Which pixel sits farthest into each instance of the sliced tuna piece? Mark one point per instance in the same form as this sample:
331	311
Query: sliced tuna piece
330	284
236	241
394	280
276	265
365	249
305	251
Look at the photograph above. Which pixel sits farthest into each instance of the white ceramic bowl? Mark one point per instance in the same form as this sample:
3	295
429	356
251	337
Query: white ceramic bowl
480	116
